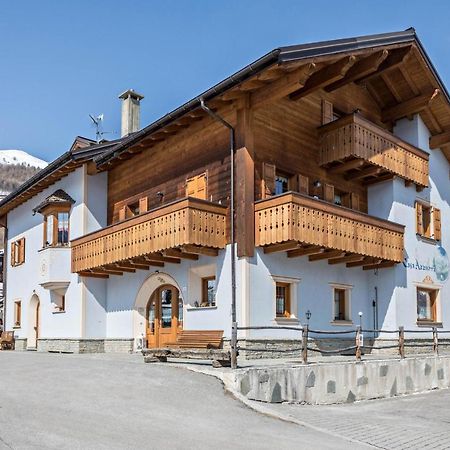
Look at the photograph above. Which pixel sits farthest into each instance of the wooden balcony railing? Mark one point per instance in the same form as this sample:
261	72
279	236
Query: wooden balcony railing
307	226
353	136
188	221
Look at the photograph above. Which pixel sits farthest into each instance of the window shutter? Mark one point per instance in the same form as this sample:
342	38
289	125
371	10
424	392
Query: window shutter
354	201
419	216
143	205
191	187
328	193
122	213
196	187
268	180
13	253
22	251
327	112
437	224
303	184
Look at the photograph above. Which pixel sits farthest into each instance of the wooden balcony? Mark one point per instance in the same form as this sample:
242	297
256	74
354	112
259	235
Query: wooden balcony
303	225
362	150
182	229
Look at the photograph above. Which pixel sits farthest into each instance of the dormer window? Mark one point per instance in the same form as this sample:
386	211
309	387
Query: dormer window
56	211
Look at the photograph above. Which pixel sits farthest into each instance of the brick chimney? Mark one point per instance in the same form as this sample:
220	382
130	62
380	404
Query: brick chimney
131	111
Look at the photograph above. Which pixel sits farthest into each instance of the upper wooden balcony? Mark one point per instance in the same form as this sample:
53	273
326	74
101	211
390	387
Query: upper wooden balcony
303	225
362	150
182	229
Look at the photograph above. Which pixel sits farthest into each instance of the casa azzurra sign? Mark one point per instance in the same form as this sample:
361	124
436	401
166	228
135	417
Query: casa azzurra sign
438	263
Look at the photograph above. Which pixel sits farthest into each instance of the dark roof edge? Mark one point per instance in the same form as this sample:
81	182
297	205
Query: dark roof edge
280	55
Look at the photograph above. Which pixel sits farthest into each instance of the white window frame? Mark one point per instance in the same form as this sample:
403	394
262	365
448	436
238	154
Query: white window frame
348	303
293	297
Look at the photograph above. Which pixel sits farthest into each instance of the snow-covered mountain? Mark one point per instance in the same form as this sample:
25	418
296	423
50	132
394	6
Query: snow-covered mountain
21	158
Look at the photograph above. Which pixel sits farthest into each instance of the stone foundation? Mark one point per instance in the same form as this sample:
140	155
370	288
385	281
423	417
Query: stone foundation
64	345
20	345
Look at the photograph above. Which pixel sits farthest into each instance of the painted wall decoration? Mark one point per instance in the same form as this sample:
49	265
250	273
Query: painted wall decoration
437	263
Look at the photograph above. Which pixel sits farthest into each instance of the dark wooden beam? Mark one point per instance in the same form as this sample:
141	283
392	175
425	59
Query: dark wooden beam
366	260
364	67
198	250
381	265
282	247
395	59
324	77
347	165
158	257
326	255
439	140
179	254
109	271
410	107
119	268
345	259
93	274
379	179
370	171
308	250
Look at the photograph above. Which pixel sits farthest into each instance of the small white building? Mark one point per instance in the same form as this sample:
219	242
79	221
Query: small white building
341	197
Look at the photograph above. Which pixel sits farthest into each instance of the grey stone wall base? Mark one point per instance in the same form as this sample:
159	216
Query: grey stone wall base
66	345
342	382
20	345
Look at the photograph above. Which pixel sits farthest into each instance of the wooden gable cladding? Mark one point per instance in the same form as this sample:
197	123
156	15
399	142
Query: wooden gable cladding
161	173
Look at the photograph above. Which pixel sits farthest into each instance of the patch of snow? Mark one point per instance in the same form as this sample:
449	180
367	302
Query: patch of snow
19	157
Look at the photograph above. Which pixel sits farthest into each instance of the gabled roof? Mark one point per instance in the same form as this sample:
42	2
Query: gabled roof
277	57
57	198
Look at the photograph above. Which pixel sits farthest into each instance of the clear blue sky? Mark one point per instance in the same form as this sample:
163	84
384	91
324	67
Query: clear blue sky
61	60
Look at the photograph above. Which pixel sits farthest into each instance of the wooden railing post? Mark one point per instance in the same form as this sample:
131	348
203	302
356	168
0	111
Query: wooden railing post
435	341
401	342
305	332
358	340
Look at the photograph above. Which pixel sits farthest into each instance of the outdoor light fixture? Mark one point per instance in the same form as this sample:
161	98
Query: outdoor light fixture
317	184
308	315
360	314
160	195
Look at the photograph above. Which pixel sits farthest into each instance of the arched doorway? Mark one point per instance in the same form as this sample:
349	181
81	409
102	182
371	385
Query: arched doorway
33	322
148	294
164	316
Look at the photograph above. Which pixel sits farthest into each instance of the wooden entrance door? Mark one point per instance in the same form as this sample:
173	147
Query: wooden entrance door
164	316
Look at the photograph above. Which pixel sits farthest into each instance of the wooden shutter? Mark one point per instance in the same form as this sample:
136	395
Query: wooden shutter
196	186
328	193
419	218
268	180
437	224
354	201
13	253
303	184
122	213
21	256
327	112
143	205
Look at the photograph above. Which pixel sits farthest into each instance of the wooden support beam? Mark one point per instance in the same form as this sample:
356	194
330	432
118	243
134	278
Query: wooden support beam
363	67
347	165
395	59
324	77
93	274
410	107
381	265
283	247
108	271
439	140
366	260
158	257
197	250
379	179
179	254
252	85
119	267
345	259
370	171
326	255
303	251
283	86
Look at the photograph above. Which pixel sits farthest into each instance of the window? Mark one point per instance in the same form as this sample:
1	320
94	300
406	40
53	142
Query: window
18	252
56	228
427	304
196	186
283	300
341	304
17	313
281	184
428	221
59	300
208	291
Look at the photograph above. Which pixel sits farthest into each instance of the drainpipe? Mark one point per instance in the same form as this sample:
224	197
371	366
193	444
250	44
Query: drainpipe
5	261
219	119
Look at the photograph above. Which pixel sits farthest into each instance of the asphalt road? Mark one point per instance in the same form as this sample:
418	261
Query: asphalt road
50	401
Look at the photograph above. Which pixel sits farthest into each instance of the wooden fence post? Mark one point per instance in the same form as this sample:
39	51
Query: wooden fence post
358	343
305	344
435	341
401	342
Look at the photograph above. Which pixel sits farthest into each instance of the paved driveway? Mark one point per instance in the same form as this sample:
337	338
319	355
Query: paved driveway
50	401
